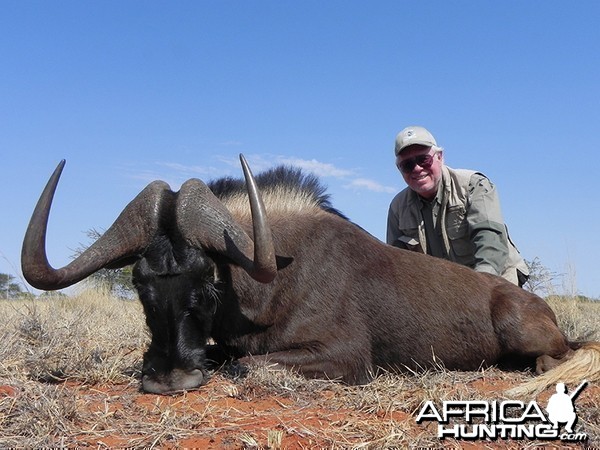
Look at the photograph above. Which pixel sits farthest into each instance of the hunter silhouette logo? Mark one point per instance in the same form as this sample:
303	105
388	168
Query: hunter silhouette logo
560	406
507	419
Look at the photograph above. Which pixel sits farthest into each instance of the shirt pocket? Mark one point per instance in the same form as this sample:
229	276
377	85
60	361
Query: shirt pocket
457	228
409	239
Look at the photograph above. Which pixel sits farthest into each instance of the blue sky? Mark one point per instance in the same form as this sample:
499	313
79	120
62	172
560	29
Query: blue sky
132	91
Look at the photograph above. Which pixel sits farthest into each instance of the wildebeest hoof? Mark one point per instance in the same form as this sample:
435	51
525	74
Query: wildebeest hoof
175	382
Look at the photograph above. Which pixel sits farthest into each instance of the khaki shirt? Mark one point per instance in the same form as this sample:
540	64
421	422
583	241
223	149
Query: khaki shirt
473	232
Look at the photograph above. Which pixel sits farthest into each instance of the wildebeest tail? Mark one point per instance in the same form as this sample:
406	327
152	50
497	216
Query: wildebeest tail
583	365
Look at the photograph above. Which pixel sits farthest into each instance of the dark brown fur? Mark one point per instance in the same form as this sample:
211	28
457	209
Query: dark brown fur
349	304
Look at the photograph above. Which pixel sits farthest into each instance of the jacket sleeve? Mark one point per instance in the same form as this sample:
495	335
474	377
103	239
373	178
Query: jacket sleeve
486	226
393	233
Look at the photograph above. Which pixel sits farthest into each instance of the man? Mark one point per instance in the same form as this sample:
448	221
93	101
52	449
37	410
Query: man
449	213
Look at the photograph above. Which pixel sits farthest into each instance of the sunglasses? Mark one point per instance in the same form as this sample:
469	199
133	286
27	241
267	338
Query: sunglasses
408	165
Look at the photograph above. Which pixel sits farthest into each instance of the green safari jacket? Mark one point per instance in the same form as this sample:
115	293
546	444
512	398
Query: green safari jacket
474	233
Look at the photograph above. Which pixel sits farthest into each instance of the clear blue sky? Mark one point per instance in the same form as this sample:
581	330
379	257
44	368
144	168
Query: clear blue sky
132	91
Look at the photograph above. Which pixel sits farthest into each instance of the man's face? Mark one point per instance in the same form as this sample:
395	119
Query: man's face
424	180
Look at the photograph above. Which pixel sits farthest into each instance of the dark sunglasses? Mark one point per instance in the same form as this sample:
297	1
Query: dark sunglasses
408	165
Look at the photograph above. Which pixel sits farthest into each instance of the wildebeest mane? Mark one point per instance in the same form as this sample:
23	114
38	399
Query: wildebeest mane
283	182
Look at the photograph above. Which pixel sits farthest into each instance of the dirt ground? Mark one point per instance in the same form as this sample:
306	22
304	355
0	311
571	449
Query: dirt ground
267	410
70	377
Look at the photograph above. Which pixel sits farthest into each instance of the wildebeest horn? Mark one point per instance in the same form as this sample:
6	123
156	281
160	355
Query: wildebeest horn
129	235
205	222
201	218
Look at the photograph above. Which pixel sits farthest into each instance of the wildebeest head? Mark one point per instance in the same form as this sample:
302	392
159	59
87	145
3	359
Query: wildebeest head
174	239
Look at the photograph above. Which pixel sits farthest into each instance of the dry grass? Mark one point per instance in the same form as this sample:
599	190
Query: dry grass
577	318
69	376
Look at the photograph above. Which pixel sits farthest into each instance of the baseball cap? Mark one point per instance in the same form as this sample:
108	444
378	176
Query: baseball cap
413	135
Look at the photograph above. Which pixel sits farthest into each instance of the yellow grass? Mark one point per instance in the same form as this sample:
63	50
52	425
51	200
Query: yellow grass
60	356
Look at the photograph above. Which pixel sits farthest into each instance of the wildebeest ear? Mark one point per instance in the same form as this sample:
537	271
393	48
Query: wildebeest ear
283	261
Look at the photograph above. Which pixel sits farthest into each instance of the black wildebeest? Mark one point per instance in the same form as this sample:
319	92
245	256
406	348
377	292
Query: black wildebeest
309	290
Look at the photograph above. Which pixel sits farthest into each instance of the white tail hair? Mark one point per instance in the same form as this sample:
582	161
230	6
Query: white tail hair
583	365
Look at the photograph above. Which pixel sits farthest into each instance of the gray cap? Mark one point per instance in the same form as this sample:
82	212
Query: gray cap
413	135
